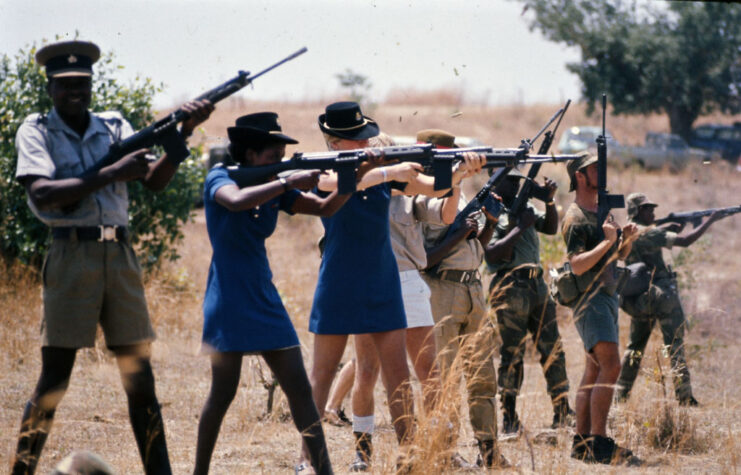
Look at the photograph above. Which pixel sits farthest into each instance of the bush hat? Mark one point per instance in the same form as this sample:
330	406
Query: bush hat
579	164
258	127
68	58
635	201
437	137
345	120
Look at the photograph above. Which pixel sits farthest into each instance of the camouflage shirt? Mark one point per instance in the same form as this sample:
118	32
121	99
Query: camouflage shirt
581	233
647	247
526	249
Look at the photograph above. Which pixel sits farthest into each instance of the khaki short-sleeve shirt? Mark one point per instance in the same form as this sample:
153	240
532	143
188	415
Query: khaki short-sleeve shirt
49	148
406	216
466	255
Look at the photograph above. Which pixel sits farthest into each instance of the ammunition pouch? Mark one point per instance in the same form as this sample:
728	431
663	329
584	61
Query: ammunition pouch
567	287
637	280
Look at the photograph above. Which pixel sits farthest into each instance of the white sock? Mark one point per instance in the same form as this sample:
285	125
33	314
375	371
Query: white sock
364	424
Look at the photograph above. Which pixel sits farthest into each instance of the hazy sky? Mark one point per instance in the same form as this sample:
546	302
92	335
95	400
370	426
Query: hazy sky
483	48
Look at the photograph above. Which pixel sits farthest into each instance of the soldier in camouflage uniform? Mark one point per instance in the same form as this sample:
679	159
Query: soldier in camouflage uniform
592	250
520	298
660	303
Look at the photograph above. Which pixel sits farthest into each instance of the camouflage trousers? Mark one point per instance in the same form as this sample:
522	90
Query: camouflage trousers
659	304
522	306
464	339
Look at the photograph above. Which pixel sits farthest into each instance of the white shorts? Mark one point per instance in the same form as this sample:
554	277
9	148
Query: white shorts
416	296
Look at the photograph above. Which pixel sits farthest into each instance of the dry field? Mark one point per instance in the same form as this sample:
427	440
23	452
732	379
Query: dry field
93	414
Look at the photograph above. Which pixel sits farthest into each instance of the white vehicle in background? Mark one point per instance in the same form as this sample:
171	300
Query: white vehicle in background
583	138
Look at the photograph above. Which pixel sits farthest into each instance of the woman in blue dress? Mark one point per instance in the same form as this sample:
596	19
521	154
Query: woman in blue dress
358	290
243	313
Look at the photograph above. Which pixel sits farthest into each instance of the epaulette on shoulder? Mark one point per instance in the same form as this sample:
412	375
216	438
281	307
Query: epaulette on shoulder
36	119
111	117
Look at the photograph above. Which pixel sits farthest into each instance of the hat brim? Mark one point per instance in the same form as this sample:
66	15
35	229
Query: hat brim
244	135
70	73
363	131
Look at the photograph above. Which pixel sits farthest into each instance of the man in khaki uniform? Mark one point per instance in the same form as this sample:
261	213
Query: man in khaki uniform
91	274
660	303
459	309
520	298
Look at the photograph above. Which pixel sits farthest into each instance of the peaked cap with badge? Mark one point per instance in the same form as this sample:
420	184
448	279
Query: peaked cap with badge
68	58
346	121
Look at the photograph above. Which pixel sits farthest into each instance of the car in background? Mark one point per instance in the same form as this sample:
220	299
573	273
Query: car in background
661	150
723	139
581	138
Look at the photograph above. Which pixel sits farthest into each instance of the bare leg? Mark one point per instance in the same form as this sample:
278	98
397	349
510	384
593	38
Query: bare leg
391	347
421	349
144	409
342	386
56	368
366	374
328	351
608	360
225	372
584	396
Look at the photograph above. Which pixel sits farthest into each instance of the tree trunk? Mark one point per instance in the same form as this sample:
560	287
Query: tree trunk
681	120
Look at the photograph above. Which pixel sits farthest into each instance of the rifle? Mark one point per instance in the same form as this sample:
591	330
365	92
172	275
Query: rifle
506	159
605	201
530	189
344	162
164	131
695	217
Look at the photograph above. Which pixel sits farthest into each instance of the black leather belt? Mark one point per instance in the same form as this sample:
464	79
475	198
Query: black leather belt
460	276
92	233
525	273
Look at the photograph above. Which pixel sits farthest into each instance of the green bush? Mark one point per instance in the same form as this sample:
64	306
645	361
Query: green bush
154	218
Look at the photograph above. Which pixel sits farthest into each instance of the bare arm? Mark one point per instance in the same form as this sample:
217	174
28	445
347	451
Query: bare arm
694	235
437	253
161	172
582	262
48	193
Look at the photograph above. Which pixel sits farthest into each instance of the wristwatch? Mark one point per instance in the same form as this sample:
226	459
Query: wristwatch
284	182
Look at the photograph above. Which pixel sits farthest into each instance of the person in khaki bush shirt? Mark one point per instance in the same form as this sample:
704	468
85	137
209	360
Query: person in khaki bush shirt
459	309
660	303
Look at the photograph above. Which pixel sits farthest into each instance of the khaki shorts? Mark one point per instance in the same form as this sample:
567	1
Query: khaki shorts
90	282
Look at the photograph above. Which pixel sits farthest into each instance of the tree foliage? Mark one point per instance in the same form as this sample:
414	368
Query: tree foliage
677	58
154	218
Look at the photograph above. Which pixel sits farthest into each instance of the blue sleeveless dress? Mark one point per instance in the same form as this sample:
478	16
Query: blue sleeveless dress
358	290
242	310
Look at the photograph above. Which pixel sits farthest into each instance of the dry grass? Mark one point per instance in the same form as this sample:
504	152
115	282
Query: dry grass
93	413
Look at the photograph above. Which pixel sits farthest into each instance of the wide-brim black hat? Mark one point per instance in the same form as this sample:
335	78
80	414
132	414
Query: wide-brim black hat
345	120
68	58
258	127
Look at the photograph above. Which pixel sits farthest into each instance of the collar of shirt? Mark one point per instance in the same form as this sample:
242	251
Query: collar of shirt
96	126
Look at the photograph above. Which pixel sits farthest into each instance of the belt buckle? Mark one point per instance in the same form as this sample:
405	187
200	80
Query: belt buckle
531	273
107	233
465	277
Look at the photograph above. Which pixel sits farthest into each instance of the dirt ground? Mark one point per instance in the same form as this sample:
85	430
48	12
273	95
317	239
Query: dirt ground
93	414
